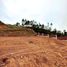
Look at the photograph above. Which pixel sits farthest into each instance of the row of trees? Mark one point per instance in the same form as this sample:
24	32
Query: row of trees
41	28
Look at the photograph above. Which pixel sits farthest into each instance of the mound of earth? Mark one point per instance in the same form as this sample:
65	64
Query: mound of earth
12	30
2	25
32	52
17	32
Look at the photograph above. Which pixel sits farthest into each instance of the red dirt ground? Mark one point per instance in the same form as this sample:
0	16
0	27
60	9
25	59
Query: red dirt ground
33	51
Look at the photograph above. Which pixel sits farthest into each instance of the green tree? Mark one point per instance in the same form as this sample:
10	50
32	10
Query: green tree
23	22
65	33
42	26
27	22
17	24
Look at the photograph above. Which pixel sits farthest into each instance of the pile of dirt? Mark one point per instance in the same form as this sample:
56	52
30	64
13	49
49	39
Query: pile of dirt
32	51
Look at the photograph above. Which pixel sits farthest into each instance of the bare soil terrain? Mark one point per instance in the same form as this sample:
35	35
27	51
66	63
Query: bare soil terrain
32	51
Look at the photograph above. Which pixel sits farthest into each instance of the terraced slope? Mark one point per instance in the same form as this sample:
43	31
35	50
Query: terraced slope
32	52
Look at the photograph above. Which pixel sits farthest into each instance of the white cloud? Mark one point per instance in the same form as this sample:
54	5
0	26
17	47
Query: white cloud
40	10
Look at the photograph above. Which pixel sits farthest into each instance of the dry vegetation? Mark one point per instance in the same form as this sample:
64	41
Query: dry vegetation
32	52
21	31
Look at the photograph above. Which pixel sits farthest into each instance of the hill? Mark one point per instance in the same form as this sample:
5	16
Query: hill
2	25
16	31
33	51
13	30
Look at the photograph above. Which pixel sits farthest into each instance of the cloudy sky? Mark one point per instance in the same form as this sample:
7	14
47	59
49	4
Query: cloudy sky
43	11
